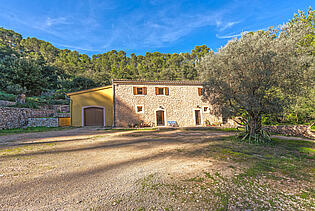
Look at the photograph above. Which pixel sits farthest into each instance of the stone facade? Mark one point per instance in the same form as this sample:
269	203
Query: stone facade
42	122
179	105
18	117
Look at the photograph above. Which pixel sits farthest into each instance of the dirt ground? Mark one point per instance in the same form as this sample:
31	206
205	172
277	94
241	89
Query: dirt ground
89	168
82	168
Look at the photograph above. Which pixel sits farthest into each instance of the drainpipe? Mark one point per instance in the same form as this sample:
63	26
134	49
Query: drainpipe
67	97
70	112
114	105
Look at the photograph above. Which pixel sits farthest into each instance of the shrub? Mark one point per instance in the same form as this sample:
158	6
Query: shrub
7	97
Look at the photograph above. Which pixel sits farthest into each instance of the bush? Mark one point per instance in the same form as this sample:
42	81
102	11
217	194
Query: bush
7	97
58	102
27	105
15	89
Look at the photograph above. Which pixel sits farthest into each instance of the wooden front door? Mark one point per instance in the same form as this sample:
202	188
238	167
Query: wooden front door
160	121
197	117
93	116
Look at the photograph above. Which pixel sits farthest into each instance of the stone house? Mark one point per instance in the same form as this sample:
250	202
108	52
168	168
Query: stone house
160	103
130	103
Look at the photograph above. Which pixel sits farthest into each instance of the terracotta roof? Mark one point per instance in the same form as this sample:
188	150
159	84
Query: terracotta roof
140	82
89	90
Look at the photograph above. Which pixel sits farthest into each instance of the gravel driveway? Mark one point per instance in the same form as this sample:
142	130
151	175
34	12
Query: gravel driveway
89	168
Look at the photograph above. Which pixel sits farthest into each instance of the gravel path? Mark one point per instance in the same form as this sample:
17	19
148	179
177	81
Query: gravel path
89	168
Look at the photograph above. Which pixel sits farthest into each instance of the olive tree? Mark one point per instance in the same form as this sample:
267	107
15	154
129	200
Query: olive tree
259	73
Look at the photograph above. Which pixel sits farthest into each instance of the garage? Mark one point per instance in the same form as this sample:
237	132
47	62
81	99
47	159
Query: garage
93	116
92	107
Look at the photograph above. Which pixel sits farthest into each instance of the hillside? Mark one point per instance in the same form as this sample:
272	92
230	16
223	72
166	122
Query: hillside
33	66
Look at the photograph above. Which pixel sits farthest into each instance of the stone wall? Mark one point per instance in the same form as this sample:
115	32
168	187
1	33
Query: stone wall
292	130
63	114
58	108
6	103
42	122
61	108
179	105
18	117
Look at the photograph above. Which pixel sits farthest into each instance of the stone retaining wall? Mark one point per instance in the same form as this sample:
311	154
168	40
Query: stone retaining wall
42	122
58	108
63	114
18	117
61	108
292	130
6	103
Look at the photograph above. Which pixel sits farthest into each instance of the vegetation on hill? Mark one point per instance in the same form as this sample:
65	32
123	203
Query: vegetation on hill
34	66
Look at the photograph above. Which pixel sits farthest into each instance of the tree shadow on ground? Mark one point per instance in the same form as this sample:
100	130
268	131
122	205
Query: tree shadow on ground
202	146
26	137
151	139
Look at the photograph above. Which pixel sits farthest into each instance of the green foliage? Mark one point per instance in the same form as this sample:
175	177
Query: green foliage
80	83
264	73
33	66
7	97
29	130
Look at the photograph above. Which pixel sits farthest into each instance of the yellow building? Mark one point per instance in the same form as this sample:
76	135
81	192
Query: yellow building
92	107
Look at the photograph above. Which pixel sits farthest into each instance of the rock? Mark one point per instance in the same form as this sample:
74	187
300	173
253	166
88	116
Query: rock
20	99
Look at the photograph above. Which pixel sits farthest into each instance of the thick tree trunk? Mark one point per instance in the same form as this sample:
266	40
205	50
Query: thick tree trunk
254	124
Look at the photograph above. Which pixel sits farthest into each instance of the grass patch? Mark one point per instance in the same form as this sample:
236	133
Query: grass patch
244	176
30	130
213	191
280	159
129	129
307	150
211	129
25	149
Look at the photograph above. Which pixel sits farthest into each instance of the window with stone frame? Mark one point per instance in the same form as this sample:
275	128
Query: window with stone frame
139	108
200	91
161	90
140	90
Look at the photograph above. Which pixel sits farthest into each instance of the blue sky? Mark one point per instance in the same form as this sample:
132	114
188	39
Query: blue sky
95	26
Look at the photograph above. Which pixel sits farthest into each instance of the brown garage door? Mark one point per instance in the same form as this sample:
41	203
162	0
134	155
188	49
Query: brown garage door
93	116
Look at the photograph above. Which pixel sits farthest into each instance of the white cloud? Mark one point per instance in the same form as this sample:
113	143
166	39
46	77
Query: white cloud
55	21
134	29
224	26
140	29
230	36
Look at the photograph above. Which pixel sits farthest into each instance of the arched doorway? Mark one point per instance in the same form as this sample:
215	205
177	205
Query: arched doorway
93	116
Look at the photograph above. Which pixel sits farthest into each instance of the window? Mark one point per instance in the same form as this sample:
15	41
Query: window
206	109
200	91
140	90
161	91
139	109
